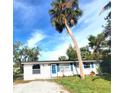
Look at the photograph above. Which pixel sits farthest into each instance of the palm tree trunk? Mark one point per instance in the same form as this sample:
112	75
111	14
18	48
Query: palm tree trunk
82	75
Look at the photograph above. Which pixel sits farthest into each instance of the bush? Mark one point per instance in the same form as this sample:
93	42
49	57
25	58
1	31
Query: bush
92	74
105	66
17	73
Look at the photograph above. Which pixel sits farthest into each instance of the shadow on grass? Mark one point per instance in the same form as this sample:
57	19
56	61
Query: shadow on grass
94	78
106	76
103	76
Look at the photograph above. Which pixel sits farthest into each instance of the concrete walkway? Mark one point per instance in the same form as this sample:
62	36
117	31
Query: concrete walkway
39	87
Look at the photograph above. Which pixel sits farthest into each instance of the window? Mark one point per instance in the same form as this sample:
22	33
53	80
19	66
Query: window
36	69
65	68
86	65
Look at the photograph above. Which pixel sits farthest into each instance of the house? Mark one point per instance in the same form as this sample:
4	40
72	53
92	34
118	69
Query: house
52	69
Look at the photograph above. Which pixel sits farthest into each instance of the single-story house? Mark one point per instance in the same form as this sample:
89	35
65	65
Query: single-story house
52	69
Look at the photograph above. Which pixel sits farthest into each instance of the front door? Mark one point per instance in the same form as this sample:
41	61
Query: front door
54	70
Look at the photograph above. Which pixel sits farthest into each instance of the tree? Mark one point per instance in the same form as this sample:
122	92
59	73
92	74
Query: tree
101	49
62	58
85	53
107	7
71	53
23	53
92	41
33	54
105	66
101	44
65	14
96	43
17	54
107	33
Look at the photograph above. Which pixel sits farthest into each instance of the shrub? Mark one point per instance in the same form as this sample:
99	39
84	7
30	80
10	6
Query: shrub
92	74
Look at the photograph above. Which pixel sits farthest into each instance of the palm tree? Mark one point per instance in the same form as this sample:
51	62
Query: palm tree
65	14
107	27
106	7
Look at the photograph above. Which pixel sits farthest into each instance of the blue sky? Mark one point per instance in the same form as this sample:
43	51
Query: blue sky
32	26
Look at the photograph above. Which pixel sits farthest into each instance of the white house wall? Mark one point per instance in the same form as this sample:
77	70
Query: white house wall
46	72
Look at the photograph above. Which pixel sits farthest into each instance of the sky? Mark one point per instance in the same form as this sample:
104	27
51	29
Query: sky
32	26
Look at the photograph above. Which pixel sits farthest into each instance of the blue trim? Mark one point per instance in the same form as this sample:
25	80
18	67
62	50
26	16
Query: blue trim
84	65
54	69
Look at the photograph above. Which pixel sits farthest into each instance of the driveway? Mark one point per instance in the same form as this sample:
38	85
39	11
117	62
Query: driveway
39	87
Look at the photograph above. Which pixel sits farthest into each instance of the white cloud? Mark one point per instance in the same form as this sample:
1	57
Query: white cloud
36	37
59	50
51	55
91	10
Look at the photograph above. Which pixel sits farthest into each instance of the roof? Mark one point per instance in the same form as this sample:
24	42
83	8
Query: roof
57	61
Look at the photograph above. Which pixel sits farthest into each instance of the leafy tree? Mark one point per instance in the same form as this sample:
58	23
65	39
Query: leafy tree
101	50
31	53
86	53
92	41
62	58
17	54
101	44
97	43
71	53
65	14
107	27
105	66
107	33
22	53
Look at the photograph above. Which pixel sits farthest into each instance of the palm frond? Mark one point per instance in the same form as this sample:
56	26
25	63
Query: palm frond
106	7
64	9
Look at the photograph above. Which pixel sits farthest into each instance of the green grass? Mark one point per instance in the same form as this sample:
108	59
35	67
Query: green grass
76	85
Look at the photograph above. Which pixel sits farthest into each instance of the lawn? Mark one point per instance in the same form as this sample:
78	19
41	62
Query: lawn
76	85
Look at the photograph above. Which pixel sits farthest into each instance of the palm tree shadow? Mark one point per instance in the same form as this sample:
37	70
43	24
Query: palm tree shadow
105	77
94	78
